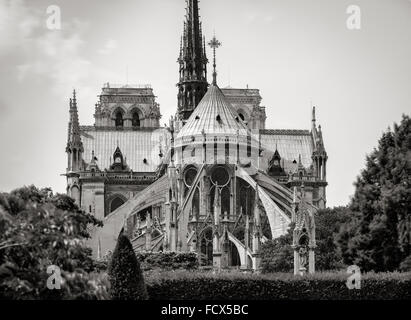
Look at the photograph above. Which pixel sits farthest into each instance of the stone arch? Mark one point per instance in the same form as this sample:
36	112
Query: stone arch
240	249
118	116
115	201
205	243
118	108
135	108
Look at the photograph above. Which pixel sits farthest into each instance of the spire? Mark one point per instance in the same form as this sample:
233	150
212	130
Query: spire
313	117
192	84
314	128
214	44
74	146
74	137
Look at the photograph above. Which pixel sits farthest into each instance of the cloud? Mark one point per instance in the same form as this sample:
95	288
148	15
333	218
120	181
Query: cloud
30	51
57	57
109	47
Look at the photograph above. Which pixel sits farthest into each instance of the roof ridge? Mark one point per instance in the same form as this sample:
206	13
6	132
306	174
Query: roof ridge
286	131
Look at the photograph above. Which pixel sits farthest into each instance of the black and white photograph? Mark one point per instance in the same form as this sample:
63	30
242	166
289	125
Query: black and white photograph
216	152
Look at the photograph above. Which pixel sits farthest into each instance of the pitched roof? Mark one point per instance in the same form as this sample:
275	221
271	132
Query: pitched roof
215	115
135	145
290	145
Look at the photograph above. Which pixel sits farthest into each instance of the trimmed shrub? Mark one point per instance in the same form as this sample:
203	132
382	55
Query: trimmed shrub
125	276
167	260
321	286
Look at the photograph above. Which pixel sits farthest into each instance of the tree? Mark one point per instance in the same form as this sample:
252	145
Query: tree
37	230
377	236
125	275
277	254
328	222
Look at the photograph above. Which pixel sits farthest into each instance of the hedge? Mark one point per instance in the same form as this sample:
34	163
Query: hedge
167	260
321	286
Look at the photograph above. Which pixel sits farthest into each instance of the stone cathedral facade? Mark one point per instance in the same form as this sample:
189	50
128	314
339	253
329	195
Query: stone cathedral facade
214	181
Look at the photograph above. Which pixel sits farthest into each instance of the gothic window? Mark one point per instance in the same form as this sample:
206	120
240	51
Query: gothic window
225	201
220	176
189	175
196	203
119	119
115	203
135	120
206	245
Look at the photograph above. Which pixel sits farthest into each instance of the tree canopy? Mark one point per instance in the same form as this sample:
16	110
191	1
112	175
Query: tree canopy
39	229
377	235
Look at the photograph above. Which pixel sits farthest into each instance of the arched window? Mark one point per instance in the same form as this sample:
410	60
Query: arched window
119	119
206	247
135	120
115	203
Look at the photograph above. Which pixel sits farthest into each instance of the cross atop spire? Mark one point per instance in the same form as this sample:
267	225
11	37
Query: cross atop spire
214	44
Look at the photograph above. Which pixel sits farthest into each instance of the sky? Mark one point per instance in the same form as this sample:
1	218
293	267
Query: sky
298	53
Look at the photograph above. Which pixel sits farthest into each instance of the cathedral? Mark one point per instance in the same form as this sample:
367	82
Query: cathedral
214	181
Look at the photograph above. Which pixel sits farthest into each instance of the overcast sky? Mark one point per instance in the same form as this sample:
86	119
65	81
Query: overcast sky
294	51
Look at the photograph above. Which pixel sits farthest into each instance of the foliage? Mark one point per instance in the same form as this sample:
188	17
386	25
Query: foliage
229	286
167	260
102	264
328	222
125	276
277	254
377	236
39	229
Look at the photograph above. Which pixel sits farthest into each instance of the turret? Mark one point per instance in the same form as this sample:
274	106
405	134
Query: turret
319	155
74	150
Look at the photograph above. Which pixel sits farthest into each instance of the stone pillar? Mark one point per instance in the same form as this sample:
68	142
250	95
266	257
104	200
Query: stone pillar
246	240
173	228
127	123
99	202
256	235
296	261
167	235
225	243
311	260
216	237
148	232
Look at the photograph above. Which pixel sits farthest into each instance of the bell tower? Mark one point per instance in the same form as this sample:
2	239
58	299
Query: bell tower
192	60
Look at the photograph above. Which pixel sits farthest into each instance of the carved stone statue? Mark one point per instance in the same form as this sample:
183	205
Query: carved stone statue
303	257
